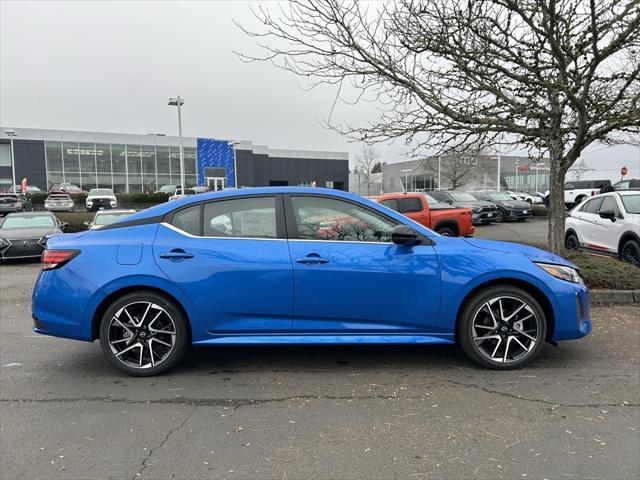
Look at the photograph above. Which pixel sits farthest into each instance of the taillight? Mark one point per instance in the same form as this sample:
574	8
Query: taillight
56	258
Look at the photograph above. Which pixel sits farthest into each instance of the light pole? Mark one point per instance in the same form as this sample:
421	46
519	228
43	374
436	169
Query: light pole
12	133
406	178
178	102
439	184
233	144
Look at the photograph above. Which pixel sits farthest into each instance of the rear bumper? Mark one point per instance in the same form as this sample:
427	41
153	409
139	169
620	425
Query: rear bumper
6	210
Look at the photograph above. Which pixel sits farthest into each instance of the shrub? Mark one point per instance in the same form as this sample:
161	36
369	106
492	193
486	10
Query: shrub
37	198
142	198
539	211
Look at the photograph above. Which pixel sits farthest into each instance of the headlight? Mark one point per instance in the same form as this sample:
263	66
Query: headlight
563	273
43	241
4	242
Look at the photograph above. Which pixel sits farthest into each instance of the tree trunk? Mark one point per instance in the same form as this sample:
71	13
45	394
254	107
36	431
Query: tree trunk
556	207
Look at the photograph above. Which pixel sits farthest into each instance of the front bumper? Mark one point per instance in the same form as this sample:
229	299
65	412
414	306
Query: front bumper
517	214
574	318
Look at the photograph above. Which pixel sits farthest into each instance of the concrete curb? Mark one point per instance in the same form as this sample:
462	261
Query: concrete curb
614	296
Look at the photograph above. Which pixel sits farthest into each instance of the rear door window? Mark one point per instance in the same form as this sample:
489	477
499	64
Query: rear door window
188	220
409	205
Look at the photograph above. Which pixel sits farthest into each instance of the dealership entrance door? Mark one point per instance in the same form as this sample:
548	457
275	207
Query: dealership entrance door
216	183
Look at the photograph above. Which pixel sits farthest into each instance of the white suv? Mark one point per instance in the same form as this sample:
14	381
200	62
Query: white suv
578	191
607	224
101	198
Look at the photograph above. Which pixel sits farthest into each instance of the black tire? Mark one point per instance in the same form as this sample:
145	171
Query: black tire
476	307
571	241
630	252
521	219
446	232
499	216
579	200
485	222
135	302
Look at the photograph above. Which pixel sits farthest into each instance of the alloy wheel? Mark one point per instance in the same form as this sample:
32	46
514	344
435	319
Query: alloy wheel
631	253
505	329
141	335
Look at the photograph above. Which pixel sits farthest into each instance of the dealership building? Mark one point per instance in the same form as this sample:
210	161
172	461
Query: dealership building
143	163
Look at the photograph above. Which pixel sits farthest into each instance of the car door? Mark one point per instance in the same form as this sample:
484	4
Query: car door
348	275
606	233
589	221
230	258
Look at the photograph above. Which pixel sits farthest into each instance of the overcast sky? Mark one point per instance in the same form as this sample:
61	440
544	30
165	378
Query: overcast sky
110	66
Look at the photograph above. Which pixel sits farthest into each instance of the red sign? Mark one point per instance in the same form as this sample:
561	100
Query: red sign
523	168
623	171
23	185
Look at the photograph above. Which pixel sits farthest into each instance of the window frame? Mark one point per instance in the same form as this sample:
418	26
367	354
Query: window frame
281	232
292	230
617	210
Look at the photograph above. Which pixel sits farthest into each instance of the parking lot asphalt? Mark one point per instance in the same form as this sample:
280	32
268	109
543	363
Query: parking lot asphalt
534	229
317	412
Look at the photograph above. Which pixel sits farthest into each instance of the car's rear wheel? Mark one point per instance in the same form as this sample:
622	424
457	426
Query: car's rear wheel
571	242
630	252
502	328
446	232
143	334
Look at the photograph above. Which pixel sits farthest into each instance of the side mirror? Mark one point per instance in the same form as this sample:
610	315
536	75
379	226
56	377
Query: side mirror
87	223
403	235
610	214
64	225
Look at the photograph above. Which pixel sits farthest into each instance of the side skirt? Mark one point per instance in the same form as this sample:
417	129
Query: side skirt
344	339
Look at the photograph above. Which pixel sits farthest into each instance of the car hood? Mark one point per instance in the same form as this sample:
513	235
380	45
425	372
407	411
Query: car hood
28	232
534	254
512	204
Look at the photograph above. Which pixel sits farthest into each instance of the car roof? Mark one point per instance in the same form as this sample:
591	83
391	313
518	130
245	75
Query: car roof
164	208
30	214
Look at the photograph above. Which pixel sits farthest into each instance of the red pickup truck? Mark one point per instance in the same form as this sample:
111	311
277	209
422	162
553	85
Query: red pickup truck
426	210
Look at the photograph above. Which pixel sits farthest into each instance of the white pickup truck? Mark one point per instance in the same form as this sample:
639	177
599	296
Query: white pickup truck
577	191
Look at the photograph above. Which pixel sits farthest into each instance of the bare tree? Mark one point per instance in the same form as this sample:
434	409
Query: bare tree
554	76
366	160
579	170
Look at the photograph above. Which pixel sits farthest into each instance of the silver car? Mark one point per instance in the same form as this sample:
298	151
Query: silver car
59	202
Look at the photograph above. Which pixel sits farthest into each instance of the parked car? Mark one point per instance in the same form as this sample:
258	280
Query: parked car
29	189
482	211
607	224
254	266
508	208
14	202
107	217
100	198
65	188
442	218
525	197
168	189
24	235
576	192
180	193
59	202
629	184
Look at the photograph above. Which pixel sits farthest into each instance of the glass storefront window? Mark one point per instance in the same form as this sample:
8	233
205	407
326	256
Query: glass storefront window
148	168
189	160
71	159
119	184
174	156
87	153
118	158
135	183
134	164
104	180
54	177
53	152
162	160
103	158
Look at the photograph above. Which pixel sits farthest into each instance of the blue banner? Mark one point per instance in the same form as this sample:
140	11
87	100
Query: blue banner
215	153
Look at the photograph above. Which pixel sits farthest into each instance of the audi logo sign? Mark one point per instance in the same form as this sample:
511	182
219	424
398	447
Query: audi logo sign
469	161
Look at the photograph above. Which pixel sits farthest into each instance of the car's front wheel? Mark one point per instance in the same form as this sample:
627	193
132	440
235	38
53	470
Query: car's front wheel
143	334
502	327
499	216
571	242
630	252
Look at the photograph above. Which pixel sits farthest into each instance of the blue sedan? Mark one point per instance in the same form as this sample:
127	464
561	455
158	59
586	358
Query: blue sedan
291	265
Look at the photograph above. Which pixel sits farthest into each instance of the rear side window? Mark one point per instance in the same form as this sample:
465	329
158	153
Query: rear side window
188	220
582	185
243	217
409	205
592	206
391	203
442	197
609	203
569	186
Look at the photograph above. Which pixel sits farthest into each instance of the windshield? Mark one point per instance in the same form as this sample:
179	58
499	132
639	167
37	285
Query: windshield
499	196
100	191
429	198
109	218
631	203
462	197
31	221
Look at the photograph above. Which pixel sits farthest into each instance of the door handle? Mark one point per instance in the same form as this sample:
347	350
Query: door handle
176	255
311	259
